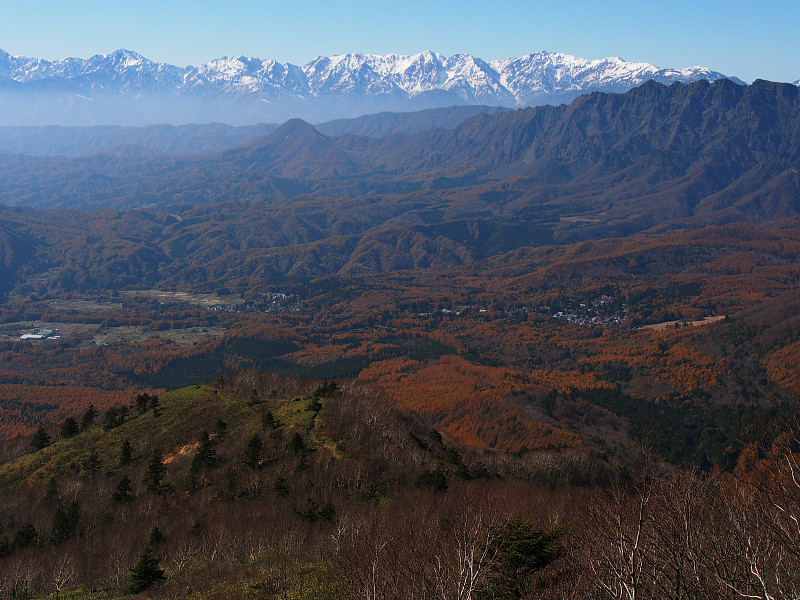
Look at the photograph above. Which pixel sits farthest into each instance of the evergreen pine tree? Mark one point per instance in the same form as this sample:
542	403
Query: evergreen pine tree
52	495
206	455
328	511
145	573
142	403
519	549
268	420
156	536
24	536
296	444
88	418
252	453
125	453
155	406
40	439
281	486
69	428
155	472
64	523
112	418
91	463
124	491
59	530
220	428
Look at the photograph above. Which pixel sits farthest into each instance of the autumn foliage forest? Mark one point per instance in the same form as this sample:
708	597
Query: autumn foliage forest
497	354
635	433
565	364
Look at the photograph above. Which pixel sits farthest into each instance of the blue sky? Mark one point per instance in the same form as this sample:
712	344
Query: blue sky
747	39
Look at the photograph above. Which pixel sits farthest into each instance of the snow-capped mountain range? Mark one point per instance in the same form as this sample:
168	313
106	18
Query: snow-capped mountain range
127	88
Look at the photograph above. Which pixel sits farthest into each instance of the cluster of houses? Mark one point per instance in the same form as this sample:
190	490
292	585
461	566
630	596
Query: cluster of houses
272	303
457	311
602	312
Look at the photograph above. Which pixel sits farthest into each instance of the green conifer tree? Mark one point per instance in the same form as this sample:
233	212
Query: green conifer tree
268	420
155	406
52	495
123	492
142	403
156	536
125	453
40	439
252	453
206	455
297	444
88	418
64	523
145	573
24	536
69	428
91	463
154	473
328	511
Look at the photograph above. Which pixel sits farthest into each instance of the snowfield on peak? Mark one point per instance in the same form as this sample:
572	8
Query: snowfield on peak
240	90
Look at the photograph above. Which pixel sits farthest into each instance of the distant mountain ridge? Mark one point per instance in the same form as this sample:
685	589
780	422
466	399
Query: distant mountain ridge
299	203
693	154
56	140
125	88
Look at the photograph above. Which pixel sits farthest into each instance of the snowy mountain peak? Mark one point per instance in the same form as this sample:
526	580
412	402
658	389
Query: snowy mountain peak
334	86
127	56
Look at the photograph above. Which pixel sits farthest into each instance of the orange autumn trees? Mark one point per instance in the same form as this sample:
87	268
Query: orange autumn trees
783	367
666	357
25	407
470	402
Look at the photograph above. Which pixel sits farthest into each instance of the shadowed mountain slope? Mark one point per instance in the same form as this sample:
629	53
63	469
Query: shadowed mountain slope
704	152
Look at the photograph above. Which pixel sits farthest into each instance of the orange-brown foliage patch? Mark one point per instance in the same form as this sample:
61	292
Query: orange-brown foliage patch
470	402
677	364
783	367
24	407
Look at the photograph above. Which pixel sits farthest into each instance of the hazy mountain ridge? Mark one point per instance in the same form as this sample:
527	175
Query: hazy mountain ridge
57	140
606	165
127	88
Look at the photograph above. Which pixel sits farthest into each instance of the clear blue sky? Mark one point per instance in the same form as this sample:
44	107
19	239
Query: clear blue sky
743	38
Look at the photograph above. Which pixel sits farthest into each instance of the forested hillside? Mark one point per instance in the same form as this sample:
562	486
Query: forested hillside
260	485
549	353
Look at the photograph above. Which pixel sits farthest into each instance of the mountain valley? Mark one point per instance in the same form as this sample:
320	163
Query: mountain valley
361	358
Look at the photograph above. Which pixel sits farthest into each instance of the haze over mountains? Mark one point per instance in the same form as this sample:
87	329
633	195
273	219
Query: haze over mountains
298	202
696	140
125	88
57	140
